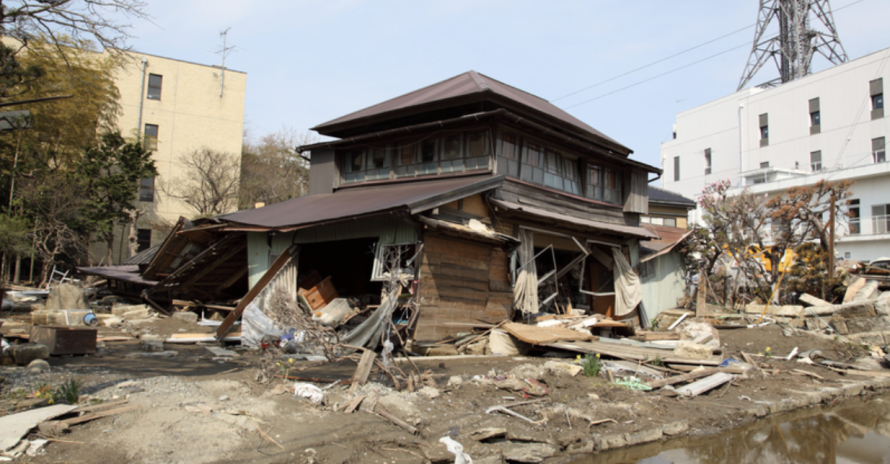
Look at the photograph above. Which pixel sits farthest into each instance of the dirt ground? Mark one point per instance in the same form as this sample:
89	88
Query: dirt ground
196	408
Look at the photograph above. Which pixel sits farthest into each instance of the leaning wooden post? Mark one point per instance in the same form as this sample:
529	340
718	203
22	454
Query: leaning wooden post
831	238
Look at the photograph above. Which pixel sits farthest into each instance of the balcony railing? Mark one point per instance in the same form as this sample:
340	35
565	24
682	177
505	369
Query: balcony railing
869	226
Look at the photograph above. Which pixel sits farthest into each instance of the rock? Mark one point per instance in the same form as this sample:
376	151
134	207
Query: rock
699	329
398	407
839	326
444	350
788	332
643	436
120	309
152	345
612	441
496	459
527	452
868	291
882	306
38	366
438	453
66	296
455	380
27	352
868	324
867	338
563	368
675	428
428	392
870	363
186	316
689	350
488	433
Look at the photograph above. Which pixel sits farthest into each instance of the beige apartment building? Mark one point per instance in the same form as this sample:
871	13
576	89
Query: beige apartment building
178	107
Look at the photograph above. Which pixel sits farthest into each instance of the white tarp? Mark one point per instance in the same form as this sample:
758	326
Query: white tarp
525	290
628	289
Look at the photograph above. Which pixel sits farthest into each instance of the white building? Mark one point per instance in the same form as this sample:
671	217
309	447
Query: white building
828	125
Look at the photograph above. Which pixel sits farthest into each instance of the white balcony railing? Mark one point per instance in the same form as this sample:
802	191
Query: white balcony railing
869	226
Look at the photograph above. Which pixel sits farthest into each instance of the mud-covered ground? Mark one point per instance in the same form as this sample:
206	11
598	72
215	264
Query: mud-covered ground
198	408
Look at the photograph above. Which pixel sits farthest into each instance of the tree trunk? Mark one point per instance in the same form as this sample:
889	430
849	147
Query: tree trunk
134	236
18	267
109	242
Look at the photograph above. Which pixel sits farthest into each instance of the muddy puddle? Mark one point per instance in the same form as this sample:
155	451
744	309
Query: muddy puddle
857	432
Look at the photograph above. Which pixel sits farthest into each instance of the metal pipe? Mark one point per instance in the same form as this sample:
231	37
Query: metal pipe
141	100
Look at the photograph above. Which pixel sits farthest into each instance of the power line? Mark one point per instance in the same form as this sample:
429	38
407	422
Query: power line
667	58
659	75
655	62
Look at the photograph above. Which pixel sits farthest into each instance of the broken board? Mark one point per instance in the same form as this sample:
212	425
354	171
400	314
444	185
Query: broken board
636	353
544	335
15	426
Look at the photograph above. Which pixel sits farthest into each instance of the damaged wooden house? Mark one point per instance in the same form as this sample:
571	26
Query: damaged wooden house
495	203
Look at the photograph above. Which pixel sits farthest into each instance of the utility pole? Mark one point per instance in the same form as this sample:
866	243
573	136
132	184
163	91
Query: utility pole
831	238
225	51
792	49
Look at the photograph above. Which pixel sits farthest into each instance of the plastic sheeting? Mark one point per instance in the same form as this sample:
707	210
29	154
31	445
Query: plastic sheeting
628	289
368	333
255	326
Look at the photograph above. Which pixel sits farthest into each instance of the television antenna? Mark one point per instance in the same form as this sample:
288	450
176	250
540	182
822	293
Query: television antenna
224	51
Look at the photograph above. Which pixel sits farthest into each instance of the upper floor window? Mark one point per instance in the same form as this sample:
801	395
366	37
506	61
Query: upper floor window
764	129
676	168
154	86
447	154
707	161
147	189
853	216
603	184
816	161
878	151
815	116
143	239
876	91
764	165
151	137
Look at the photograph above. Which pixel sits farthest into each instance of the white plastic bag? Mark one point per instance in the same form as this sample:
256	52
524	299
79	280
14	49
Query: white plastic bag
309	391
457	449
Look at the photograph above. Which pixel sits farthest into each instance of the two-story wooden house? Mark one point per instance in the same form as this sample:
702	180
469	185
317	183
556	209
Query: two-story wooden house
514	205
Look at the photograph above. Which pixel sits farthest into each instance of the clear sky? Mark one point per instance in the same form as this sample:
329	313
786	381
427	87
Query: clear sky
311	61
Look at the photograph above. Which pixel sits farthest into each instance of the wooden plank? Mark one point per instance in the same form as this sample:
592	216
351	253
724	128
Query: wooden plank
631	352
853	289
544	335
812	301
364	368
706	384
216	263
682	378
354	404
775	310
276	266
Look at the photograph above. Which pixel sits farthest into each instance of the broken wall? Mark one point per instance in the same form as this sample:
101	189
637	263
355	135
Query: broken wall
386	229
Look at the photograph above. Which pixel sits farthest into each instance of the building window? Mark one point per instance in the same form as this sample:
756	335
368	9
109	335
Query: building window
147	189
560	172
880	217
645	219
764	129
143	239
151	137
154	87
815	117
816	161
676	168
764	165
878	152
603	184
853	216
876	91
532	164
508	161
707	161
670	222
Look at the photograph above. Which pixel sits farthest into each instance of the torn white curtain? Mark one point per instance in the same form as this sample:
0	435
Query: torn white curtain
628	289
254	321
525	290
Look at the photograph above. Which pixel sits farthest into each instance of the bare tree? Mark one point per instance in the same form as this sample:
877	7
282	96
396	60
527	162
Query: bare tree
91	20
209	184
272	170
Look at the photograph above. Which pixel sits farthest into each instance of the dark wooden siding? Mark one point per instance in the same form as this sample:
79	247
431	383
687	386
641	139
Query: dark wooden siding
637	200
461	281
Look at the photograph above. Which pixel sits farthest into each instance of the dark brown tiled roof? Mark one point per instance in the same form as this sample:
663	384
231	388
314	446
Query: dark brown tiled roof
464	85
348	203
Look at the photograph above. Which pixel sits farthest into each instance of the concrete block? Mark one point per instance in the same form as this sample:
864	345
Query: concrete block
38	366
868	324
613	441
867	338
840	326
66	296
142	313
852	390
59	317
27	352
815	324
643	436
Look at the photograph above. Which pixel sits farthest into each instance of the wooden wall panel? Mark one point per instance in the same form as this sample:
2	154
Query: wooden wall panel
461	281
523	194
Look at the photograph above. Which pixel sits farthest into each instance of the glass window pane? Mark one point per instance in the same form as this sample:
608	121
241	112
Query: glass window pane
476	144
378	159
554	162
533	156
428	151
354	161
510	147
451	147
406	154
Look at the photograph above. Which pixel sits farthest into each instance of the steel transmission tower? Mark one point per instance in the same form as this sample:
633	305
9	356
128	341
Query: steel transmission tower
805	28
